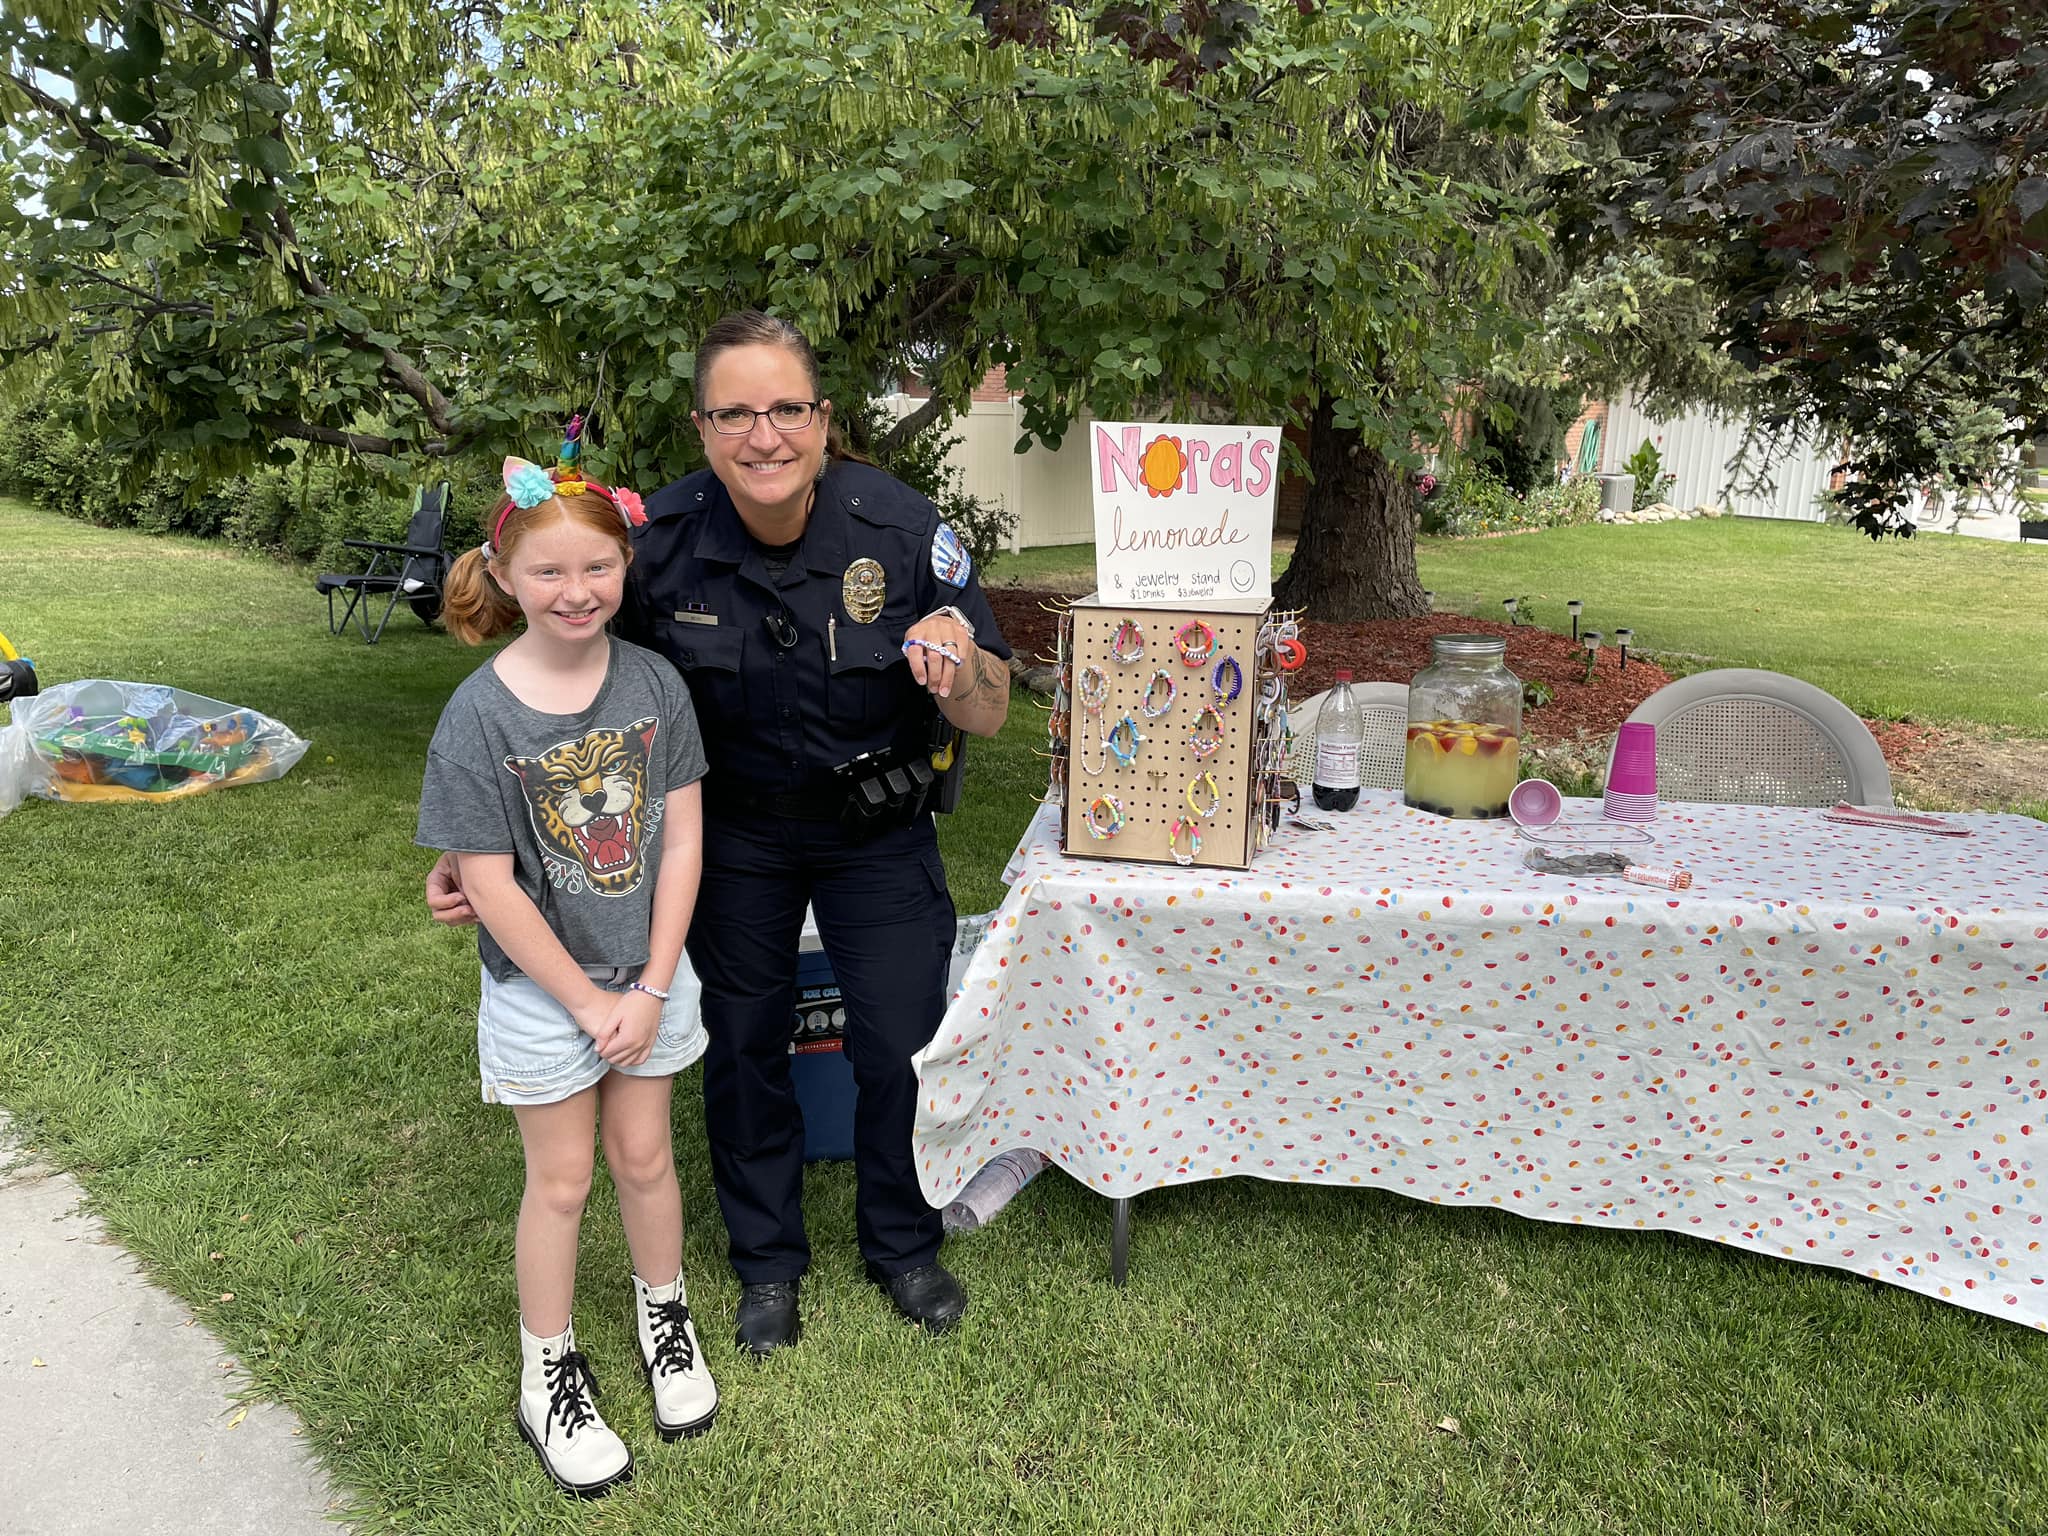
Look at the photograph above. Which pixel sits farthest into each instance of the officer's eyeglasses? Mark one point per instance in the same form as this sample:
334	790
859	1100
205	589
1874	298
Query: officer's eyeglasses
790	416
781	631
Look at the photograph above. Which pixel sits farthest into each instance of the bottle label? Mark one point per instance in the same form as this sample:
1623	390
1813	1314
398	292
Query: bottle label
1337	764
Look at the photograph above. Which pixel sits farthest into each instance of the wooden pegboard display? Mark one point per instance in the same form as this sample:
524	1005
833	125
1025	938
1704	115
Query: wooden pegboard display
1152	789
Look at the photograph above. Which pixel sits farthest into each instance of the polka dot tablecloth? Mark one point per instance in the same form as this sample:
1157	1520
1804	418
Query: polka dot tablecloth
1829	1049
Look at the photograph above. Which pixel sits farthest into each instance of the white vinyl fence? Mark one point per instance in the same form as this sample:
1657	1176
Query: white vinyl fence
1046	488
1699	449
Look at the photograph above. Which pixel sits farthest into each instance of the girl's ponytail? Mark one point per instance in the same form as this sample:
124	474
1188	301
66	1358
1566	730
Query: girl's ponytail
475	608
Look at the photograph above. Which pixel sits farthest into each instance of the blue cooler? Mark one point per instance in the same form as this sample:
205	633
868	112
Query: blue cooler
817	1061
817	1064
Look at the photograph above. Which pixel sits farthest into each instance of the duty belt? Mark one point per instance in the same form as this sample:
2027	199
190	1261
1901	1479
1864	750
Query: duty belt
866	796
823	804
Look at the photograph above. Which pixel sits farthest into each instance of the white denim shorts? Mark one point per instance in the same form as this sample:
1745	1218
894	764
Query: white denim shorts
530	1050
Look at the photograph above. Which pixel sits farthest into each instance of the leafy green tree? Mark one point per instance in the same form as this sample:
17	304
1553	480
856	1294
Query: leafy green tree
1238	212
249	222
1855	197
431	228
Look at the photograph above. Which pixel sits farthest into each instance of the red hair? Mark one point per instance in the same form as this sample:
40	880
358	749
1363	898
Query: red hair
475	608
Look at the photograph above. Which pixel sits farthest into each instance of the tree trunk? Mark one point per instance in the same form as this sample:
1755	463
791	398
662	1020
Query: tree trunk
1355	558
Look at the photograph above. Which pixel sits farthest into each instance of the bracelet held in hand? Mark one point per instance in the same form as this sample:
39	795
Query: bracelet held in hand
944	650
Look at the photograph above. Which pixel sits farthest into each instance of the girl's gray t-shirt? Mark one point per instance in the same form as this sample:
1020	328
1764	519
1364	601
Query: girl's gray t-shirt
575	799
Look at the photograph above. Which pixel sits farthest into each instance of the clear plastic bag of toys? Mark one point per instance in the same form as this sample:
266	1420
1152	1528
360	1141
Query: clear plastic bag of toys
107	741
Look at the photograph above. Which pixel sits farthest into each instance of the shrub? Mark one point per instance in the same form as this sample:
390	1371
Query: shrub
302	511
1568	503
305	509
1470	500
1652	484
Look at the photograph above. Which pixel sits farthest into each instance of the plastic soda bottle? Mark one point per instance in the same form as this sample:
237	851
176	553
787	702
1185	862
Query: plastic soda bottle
1339	729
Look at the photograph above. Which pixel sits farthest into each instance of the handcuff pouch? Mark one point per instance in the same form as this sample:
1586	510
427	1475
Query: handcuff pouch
884	790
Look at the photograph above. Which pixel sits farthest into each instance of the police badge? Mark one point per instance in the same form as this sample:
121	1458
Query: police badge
864	589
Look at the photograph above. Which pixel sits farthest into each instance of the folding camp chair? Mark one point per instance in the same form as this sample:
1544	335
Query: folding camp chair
409	573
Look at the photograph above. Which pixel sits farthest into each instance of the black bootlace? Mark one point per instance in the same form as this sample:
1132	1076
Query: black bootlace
571	1386
672	1351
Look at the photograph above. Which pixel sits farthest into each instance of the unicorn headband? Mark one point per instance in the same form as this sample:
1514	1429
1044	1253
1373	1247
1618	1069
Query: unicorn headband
528	485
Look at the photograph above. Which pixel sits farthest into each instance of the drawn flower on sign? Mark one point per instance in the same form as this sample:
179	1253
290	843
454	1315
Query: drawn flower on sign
1162	466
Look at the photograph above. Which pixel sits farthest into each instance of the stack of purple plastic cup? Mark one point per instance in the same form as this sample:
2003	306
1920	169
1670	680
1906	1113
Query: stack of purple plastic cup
1632	774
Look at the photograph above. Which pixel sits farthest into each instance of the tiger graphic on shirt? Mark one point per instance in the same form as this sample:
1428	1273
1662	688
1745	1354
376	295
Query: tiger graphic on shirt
590	808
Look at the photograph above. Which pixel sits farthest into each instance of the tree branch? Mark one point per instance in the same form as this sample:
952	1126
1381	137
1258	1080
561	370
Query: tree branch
355	442
908	428
204	24
291	255
69	113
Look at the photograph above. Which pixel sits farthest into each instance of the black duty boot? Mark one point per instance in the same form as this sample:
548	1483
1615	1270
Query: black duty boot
768	1318
928	1296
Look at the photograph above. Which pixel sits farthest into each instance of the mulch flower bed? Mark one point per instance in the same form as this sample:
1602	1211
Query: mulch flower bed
1904	744
1394	650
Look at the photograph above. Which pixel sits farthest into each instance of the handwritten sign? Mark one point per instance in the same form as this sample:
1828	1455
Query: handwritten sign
1183	514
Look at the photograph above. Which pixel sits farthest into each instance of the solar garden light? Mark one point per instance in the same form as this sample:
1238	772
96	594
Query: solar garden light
1575	608
1511	604
1622	637
1429	599
1591	641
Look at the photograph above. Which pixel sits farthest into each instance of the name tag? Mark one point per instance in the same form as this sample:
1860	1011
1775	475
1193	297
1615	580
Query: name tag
684	617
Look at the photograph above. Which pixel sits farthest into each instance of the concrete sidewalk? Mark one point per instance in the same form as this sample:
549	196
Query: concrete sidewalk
115	1407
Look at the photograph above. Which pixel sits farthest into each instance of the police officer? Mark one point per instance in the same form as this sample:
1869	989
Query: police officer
834	640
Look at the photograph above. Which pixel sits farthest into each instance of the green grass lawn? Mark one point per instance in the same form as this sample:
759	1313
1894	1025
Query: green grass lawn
231	1019
1938	629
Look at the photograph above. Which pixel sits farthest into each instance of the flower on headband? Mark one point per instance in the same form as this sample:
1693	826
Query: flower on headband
526	483
630	504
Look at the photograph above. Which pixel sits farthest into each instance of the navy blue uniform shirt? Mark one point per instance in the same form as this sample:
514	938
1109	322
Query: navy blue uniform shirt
777	711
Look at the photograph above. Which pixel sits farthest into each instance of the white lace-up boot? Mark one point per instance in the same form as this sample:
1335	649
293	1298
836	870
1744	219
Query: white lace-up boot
558	1416
685	1397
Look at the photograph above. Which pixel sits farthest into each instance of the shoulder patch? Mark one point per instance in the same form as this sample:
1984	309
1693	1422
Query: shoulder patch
950	561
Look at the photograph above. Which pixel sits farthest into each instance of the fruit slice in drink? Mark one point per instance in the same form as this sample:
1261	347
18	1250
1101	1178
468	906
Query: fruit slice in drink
1461	768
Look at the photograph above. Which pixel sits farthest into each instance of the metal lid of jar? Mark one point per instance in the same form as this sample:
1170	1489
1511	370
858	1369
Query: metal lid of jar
1467	647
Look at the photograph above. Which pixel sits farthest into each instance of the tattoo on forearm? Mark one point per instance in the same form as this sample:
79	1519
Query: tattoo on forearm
989	679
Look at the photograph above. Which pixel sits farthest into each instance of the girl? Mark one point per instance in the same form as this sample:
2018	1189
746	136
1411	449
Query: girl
563	775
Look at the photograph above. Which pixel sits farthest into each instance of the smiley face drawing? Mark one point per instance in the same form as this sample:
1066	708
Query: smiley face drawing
1242	575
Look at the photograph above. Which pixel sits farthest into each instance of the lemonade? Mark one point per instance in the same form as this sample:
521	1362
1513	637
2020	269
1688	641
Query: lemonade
1462	769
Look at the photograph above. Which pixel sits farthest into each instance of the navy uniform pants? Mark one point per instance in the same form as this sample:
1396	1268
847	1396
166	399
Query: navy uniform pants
887	924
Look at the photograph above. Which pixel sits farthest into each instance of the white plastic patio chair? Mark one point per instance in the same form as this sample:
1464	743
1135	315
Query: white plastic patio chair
1745	737
1382	749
